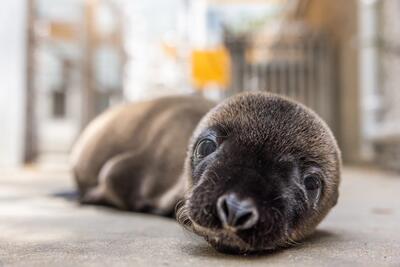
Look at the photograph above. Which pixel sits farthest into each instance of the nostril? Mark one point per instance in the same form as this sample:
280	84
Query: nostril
246	219
242	220
225	208
236	213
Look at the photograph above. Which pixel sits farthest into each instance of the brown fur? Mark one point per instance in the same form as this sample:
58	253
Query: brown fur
133	154
134	157
293	130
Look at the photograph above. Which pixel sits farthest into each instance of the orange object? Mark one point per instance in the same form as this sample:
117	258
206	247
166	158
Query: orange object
62	31
210	67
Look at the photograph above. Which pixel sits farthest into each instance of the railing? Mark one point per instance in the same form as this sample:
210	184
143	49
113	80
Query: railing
300	68
387	121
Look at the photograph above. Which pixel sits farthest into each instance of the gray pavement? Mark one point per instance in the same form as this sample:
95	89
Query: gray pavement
39	228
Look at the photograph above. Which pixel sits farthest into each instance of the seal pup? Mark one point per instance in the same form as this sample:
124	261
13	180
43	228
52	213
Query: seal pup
260	173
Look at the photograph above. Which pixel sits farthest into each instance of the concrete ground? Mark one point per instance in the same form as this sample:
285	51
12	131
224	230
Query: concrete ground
40	228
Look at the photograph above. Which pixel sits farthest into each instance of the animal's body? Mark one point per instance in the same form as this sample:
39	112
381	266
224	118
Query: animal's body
132	155
254	173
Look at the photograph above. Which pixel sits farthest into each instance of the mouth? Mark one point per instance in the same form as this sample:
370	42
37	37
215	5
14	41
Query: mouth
225	240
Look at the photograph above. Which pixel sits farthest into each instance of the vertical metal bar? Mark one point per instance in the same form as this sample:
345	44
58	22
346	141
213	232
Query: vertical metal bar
306	73
292	72
88	86
287	78
31	141
313	91
300	74
283	77
268	78
273	78
326	83
264	76
257	76
253	77
119	16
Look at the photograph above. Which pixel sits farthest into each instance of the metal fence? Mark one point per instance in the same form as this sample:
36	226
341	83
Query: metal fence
301	68
387	141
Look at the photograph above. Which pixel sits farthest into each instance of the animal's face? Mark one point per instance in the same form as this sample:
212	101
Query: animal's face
264	173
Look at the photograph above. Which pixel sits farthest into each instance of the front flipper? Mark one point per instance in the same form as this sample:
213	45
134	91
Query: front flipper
128	181
95	196
117	181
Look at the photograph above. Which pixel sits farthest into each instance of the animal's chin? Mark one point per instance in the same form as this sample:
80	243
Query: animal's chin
228	248
226	241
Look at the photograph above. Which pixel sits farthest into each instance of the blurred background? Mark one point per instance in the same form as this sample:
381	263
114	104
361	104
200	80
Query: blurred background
62	62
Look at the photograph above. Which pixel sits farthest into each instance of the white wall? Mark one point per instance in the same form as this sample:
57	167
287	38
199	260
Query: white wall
150	72
12	80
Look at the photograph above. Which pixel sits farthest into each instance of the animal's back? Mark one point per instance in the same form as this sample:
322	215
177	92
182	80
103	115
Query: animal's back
154	134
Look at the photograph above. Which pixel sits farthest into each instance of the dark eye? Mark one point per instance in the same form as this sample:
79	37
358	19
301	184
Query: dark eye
205	148
312	182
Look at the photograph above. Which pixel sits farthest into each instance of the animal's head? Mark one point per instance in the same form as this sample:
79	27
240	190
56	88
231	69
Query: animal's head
264	171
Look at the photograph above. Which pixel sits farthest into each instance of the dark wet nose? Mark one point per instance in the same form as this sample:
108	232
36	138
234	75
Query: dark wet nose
236	213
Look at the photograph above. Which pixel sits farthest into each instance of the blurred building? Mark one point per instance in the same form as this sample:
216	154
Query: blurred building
64	61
